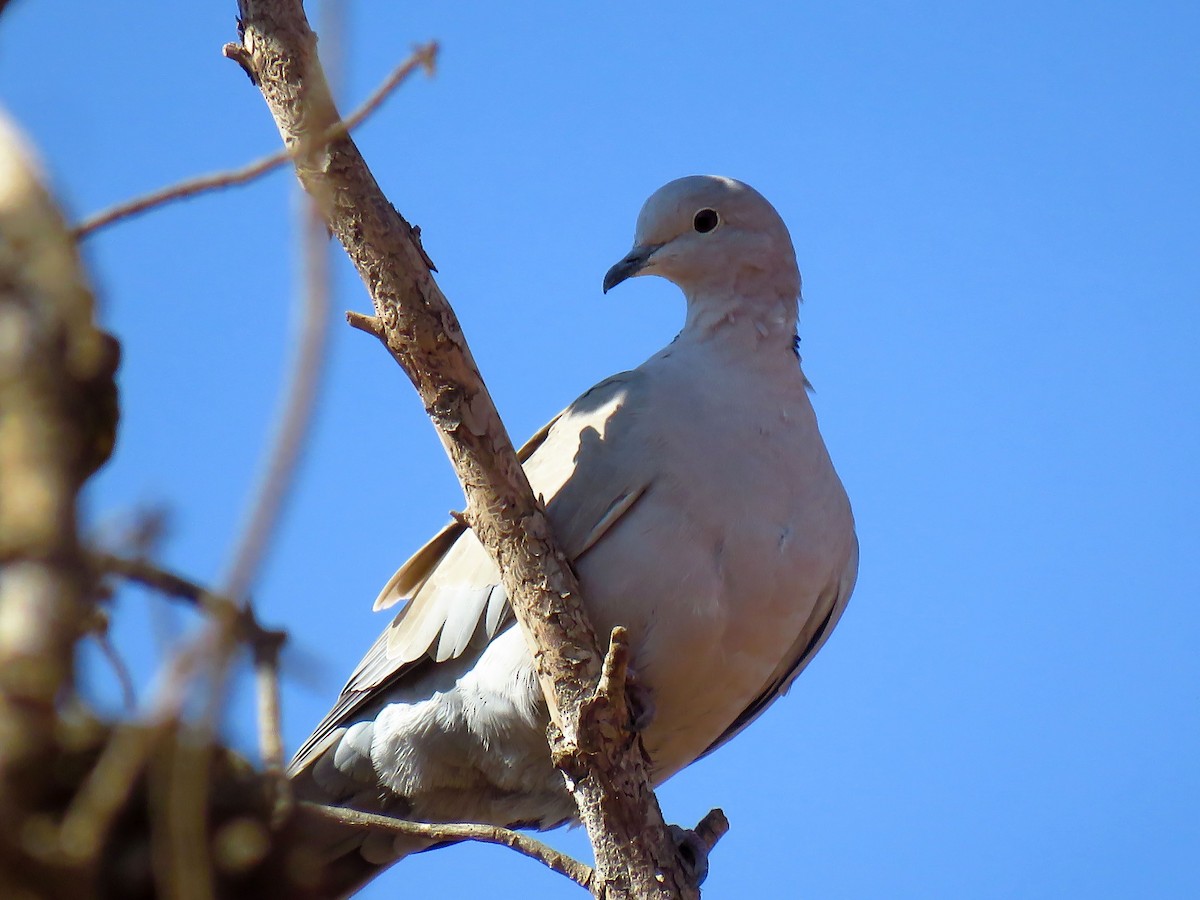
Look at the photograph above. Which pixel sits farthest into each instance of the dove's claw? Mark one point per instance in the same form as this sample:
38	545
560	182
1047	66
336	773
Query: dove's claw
693	853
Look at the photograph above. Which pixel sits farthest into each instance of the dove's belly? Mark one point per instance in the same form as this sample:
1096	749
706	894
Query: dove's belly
709	628
713	622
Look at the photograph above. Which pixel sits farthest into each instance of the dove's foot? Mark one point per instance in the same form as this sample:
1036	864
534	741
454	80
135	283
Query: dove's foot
693	853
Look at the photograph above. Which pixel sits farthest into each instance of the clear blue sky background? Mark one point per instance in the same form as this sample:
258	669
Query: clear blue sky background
995	210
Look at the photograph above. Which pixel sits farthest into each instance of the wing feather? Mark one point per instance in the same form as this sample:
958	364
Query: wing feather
825	615
454	599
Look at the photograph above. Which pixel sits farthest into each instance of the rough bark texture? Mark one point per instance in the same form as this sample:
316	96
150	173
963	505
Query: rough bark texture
604	766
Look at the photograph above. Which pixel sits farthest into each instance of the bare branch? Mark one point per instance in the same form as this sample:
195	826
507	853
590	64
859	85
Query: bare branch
270	724
120	670
635	857
265	643
170	584
489	834
424	57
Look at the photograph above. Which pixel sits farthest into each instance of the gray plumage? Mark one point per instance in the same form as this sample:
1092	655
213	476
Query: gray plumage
697	502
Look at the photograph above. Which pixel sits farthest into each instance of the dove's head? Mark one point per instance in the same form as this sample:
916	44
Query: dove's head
719	240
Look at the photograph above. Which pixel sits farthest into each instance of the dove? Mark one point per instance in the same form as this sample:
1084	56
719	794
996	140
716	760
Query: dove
697	502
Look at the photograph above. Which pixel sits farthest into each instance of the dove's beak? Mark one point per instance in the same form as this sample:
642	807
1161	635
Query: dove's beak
631	265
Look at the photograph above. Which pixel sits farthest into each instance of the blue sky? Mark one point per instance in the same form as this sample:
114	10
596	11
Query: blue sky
995	211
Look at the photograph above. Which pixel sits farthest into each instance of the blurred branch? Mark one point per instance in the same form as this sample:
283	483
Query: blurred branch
424	57
488	834
170	584
57	420
120	670
607	777
265	643
132	746
266	679
300	398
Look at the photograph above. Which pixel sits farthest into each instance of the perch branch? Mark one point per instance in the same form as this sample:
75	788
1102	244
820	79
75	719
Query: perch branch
635	857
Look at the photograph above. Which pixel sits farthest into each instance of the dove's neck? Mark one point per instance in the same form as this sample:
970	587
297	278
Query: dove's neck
754	323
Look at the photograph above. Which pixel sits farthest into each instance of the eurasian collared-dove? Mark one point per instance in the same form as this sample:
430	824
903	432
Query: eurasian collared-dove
697	502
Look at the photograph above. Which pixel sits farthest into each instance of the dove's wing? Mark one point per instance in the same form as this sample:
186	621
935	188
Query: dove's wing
455	599
820	625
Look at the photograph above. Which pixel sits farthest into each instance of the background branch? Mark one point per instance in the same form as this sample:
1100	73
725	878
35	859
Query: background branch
57	419
488	834
424	57
634	855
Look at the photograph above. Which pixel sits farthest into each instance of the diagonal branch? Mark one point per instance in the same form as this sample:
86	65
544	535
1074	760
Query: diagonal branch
634	855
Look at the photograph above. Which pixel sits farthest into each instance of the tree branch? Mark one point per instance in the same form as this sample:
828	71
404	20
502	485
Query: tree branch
296	415
634	855
488	834
424	57
169	584
265	643
57	420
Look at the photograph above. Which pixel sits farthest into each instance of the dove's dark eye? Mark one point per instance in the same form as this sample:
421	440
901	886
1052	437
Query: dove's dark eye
706	220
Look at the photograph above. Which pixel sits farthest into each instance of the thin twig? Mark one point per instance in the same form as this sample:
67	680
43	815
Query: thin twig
189	187
264	642
120	670
155	577
282	462
424	57
489	834
170	584
299	405
104	792
130	747
270	724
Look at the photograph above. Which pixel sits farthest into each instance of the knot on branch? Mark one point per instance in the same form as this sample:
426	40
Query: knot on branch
367	324
241	56
447	407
